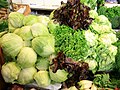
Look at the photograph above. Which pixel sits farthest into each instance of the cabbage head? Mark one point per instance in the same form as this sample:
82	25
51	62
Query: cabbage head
15	19
102	20
100	29
91	38
27	57
42	78
44	45
42	63
30	20
26	75
43	19
39	29
93	14
108	38
25	33
106	57
10	72
59	76
113	50
11	44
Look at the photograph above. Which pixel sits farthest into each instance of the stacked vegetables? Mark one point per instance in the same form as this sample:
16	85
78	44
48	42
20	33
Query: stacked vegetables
69	48
27	43
95	44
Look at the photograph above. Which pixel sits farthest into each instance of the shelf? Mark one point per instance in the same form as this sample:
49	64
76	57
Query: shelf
111	5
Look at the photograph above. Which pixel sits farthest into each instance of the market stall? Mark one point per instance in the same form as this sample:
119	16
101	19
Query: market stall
75	47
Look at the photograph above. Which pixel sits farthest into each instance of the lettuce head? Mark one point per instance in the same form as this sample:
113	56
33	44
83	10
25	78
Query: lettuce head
15	19
10	72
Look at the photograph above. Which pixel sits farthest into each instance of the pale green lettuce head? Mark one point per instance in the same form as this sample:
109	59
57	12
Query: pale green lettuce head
42	78
27	57
108	38
93	14
59	76
11	44
15	19
26	75
38	29
102	20
25	33
44	45
30	20
43	19
91	38
100	28
42	63
10	72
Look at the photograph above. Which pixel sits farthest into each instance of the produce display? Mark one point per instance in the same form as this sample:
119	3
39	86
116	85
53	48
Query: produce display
72	49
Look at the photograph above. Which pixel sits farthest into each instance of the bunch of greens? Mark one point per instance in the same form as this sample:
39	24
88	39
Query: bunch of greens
73	14
117	57
3	3
113	14
71	42
3	25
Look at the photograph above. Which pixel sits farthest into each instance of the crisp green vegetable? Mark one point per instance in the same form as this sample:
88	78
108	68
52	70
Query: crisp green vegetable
102	80
3	4
10	72
24	32
15	19
100	28
42	78
71	42
11	44
108	38
42	63
91	38
117	57
44	45
27	57
93	14
43	19
26	75
3	25
38	29
87	85
106	57
59	76
102	20
30	20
